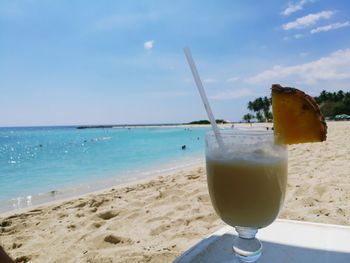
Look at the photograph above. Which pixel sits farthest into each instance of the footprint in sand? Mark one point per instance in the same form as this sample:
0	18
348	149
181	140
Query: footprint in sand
193	176
93	210
80	205
96	203
156	219
36	211
158	230
62	215
6	223
208	218
118	240
95	225
15	245
23	259
133	215
106	215
80	215
182	207
72	227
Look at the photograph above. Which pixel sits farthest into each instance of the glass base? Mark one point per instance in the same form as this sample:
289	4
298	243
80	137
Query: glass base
246	247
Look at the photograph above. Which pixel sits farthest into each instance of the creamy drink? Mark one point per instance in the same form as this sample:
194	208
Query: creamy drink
247	193
247	176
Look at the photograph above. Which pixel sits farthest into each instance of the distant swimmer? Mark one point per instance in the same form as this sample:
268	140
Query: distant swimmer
183	147
53	192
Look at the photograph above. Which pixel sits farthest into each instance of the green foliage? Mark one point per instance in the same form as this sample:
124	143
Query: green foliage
248	117
219	121
331	104
200	122
334	103
260	117
262	108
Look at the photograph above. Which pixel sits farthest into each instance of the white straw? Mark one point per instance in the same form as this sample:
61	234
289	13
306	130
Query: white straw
204	98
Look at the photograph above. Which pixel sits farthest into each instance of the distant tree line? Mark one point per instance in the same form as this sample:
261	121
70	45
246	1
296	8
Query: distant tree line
334	103
218	121
331	104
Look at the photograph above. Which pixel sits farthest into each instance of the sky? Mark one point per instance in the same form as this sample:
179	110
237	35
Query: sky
75	62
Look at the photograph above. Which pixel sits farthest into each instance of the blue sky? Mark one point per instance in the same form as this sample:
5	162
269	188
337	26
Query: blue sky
108	62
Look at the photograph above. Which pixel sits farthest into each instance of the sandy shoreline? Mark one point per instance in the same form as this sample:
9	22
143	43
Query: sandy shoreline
155	220
107	185
119	185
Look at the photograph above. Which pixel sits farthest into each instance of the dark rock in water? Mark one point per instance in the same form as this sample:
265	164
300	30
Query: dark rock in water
183	147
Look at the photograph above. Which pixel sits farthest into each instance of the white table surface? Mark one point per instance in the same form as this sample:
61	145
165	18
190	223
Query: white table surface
284	241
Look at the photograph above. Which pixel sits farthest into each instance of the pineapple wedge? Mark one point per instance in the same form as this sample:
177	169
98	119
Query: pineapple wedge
296	116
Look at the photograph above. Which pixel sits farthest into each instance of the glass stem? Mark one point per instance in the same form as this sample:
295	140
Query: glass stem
246	247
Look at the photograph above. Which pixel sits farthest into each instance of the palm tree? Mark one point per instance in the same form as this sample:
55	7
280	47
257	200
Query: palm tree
266	108
248	117
262	108
260	117
340	95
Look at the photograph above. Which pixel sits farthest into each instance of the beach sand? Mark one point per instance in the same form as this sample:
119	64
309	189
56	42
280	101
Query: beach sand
158	219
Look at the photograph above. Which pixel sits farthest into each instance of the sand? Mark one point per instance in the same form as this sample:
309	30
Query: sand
158	219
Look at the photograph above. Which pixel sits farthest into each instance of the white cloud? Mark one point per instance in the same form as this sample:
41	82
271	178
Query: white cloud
233	94
293	7
307	20
148	45
233	79
329	27
297	36
330	68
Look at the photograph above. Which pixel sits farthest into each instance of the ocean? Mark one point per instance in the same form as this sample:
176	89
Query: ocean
41	164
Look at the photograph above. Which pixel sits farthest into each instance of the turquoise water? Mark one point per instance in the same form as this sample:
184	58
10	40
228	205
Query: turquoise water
41	164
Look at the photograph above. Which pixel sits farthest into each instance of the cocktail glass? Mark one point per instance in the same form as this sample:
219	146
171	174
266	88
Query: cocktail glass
247	180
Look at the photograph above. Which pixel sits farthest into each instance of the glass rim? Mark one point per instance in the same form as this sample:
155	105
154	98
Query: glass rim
242	132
